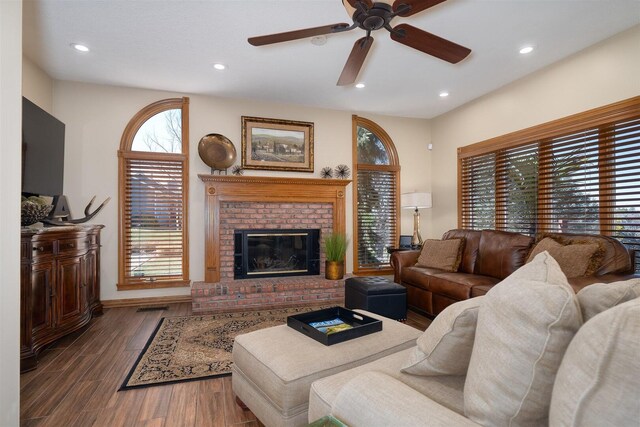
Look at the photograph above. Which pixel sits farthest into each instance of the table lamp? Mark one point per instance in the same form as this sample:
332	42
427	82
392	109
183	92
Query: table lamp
415	201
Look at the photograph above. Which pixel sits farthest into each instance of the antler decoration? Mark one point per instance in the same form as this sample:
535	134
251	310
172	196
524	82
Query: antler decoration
87	215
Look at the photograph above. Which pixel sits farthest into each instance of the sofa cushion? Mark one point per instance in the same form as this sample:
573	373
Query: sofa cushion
441	254
598	383
445	347
419	276
524	328
616	258
576	259
470	250
445	390
501	253
366	400
599	297
457	286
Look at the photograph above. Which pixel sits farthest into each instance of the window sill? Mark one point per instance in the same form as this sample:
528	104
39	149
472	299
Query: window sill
153	285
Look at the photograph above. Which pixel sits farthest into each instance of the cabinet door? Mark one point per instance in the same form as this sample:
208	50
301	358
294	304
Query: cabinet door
69	290
42	292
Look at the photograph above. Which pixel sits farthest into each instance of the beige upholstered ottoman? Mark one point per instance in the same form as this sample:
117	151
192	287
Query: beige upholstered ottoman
273	368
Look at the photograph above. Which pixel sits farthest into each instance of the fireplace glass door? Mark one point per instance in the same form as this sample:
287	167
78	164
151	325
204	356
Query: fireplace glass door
272	253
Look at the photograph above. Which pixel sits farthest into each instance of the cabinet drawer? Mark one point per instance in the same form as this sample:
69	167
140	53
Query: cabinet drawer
71	245
42	248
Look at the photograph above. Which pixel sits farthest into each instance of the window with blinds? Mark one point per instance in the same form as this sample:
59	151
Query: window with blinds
376	206
578	175
153	197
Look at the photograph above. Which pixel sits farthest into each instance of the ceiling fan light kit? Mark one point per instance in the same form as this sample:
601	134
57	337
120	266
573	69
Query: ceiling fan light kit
372	16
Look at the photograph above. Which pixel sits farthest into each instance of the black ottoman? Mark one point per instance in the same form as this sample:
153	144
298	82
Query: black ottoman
377	295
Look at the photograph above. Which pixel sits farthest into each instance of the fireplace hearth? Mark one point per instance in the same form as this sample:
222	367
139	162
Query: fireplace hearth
276	253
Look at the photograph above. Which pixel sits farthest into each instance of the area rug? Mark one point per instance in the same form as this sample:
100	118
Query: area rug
188	348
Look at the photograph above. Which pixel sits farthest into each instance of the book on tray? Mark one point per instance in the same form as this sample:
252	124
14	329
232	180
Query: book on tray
331	326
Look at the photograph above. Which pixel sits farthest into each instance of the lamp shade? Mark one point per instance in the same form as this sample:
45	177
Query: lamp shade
415	200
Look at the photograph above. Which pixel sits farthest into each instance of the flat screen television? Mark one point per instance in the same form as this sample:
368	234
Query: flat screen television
42	151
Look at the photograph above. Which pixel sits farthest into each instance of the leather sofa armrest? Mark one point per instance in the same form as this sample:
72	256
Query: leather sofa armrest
401	259
375	399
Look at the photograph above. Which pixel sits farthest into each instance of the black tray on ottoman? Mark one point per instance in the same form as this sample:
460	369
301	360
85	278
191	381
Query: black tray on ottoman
360	324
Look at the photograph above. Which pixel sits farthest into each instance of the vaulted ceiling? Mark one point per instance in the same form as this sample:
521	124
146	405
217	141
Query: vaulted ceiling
173	44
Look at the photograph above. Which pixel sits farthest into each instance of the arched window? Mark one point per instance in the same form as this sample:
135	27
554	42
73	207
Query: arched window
153	161
376	196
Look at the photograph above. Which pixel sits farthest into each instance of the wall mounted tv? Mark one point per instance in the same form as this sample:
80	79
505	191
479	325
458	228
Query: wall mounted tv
42	151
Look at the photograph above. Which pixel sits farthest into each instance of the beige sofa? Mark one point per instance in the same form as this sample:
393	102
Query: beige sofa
565	361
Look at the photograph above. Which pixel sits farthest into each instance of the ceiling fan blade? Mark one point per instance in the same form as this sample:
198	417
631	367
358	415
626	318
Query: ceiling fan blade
354	62
367	3
415	6
429	43
297	34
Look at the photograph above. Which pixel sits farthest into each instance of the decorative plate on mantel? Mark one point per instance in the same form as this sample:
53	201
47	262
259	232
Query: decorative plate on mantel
217	151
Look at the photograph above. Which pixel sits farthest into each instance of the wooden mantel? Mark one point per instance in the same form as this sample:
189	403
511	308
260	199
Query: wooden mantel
222	188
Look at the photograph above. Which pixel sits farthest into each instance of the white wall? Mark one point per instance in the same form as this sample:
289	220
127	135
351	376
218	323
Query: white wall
96	115
10	135
600	75
37	86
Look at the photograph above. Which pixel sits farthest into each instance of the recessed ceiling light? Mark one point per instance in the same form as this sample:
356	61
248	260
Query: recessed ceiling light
219	66
79	47
444	94
360	85
526	49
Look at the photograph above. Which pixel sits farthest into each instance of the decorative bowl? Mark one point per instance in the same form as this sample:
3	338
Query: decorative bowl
217	151
32	212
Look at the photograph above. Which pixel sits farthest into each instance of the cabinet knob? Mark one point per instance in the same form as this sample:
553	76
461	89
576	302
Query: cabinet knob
38	248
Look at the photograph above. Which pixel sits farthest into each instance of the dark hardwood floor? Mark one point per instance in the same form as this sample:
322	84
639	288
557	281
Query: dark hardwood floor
77	379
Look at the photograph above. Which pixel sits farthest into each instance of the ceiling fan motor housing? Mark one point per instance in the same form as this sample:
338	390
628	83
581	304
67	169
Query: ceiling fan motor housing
374	18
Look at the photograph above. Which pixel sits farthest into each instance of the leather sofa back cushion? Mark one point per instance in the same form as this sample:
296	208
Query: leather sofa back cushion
470	250
501	253
441	254
615	259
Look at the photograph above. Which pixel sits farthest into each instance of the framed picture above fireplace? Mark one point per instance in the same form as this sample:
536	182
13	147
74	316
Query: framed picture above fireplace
274	144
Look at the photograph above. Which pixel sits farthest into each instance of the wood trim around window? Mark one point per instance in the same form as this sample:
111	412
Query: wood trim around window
596	117
125	153
394	166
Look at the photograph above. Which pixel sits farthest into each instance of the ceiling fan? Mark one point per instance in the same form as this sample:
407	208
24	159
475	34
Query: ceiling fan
371	16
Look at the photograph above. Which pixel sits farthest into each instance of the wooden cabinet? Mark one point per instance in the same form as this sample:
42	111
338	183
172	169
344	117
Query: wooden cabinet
60	285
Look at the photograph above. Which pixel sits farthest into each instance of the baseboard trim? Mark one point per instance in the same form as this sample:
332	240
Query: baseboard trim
144	302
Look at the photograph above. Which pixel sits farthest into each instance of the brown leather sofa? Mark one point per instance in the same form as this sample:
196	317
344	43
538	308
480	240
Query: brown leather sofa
488	257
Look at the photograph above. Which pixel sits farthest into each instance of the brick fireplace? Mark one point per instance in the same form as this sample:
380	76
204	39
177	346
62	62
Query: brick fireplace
241	203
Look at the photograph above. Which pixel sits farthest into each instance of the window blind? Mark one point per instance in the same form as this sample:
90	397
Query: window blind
153	220
478	188
580	181
377	216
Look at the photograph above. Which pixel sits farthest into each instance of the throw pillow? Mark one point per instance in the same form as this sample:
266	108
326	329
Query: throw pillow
441	254
576	260
598	382
524	327
445	347
599	297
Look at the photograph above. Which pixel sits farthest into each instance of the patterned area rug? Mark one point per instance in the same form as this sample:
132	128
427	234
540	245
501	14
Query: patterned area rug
190	348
